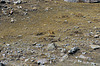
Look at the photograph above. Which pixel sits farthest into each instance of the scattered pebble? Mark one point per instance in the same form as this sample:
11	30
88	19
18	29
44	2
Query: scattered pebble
58	47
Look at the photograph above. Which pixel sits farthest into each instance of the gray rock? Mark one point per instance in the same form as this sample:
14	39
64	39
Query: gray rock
12	20
79	61
51	46
66	45
96	36
66	21
83	52
83	57
8	1
26	60
63	50
7	44
19	36
1	64
39	45
35	9
71	0
4	12
76	27
63	58
17	2
95	46
11	12
73	50
3	1
89	22
19	7
25	13
4	55
42	61
93	64
62	54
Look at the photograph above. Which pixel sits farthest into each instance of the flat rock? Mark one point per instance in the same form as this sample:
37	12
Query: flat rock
95	46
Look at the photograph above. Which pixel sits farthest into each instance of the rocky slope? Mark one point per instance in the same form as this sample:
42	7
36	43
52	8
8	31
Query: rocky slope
49	33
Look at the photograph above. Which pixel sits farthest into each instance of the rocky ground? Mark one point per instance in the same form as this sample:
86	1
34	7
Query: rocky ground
49	33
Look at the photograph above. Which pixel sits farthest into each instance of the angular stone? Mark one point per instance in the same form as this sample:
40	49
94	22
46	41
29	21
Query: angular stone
73	50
